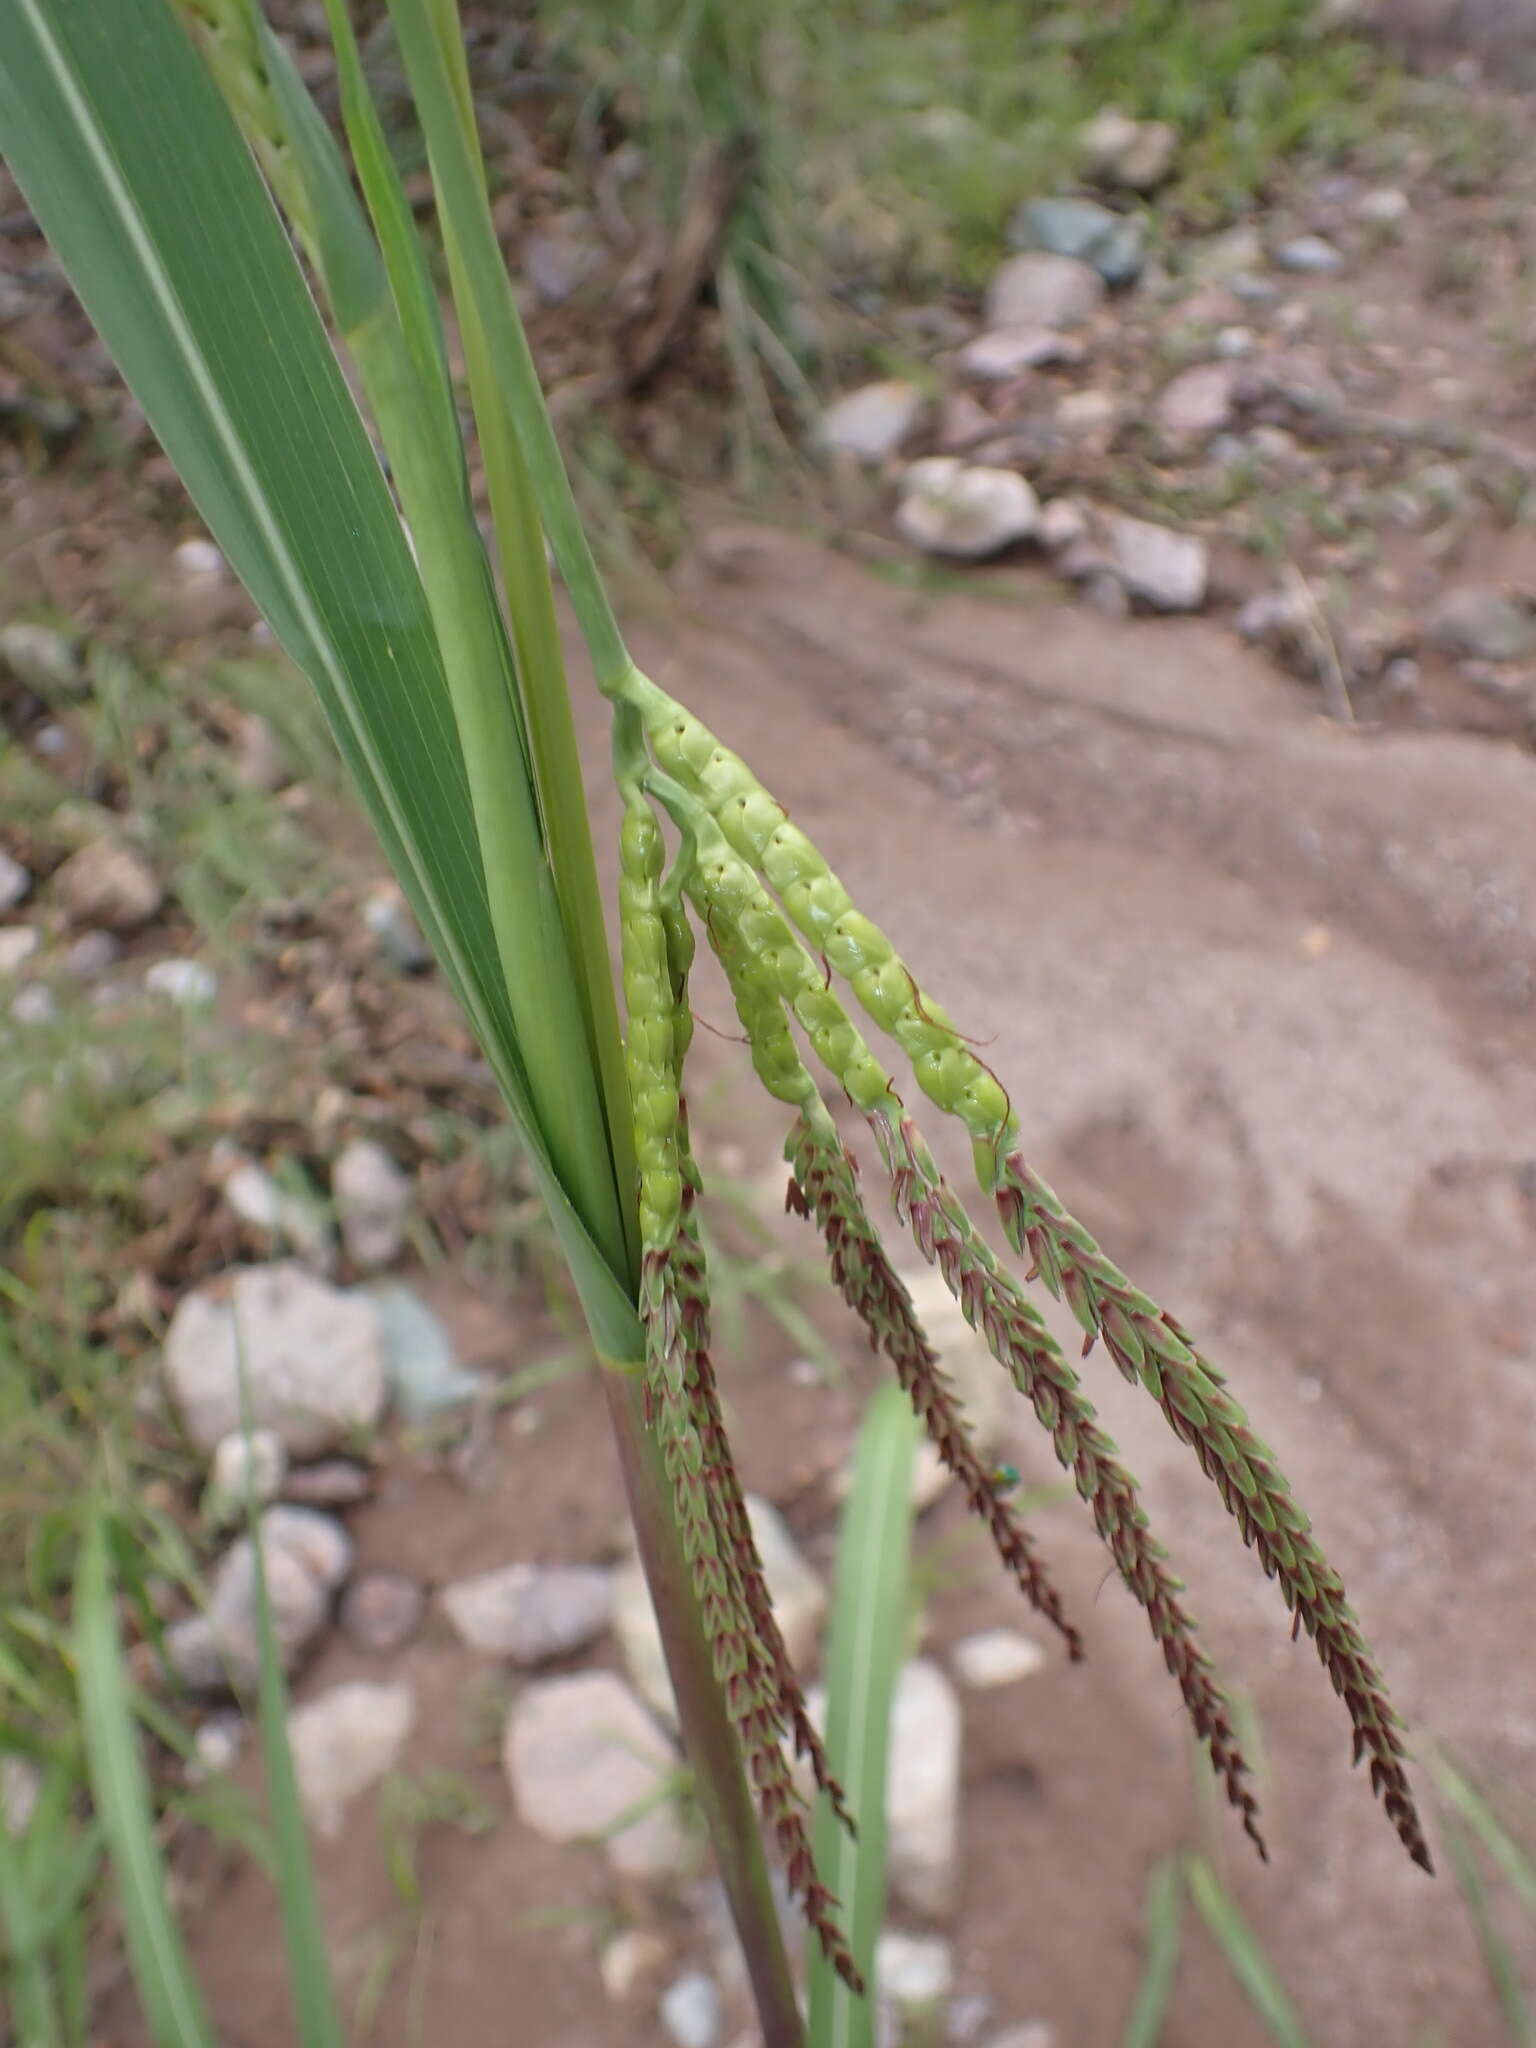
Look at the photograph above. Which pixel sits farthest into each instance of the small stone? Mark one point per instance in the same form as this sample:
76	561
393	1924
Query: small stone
964	510
1384	208
1042	290
799	1602
332	1483
41	660
92	954
381	1610
1220	259
1232	343
373	1200
188	983
287	1218
1198	402
306	1556
582	1756
421	1366
14	881
559	260
1033	2034
1166	570
871	423
690	2011
1063	522
923	1802
18	943
1402	677
630	1961
345	1741
1108	596
529	1613
257	759
1309	256
913	1972
35	1006
964	422
313	1359
1113	245
1005	352
1479	624
21	1784
1138	155
996	1656
1088	413
244	1468
198	564
387	916
108	883
989	1400
217	1744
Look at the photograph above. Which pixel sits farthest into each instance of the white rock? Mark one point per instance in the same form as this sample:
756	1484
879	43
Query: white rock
257	759
913	1972
21	1782
629	1960
923	1802
245	1467
1138	155
996	1656
14	881
1198	402
35	1006
1309	256
198	564
421	1367
799	1602
41	660
964	510
107	883
872	422
373	1200
529	1613
1383	208
581	1754
690	2011
306	1556
346	1740
287	1218
1063	522
18	942
1088	412
1004	352
92	954
1169	571
217	1744
1033	2034
387	916
312	1356
1041	289
188	983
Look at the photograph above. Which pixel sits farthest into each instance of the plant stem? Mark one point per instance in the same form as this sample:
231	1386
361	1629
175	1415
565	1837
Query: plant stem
722	1787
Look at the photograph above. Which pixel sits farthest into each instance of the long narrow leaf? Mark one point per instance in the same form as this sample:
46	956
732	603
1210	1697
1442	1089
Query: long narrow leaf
167	1990
867	1642
1164	1916
1246	1960
1503	1970
1516	1866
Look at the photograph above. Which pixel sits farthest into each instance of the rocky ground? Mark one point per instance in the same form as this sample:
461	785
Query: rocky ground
1209	795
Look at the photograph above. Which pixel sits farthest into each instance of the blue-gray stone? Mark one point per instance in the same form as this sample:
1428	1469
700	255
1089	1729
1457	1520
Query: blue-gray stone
1113	243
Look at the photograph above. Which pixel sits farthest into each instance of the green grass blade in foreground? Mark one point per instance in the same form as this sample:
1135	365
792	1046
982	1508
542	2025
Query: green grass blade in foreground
1164	1914
1503	1970
169	1996
1517	1868
868	1638
149	197
1246	1960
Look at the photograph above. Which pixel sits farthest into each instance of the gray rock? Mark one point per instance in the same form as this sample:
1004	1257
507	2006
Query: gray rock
1198	402
964	510
581	1756
1479	624
306	1557
559	260
872	422
1220	259
41	660
244	1468
994	1657
923	1803
381	1610
373	1200
1309	256
1005	352
387	917
1166	570
35	1006
14	881
18	943
529	1613
421	1366
313	1359
108	883
333	1483
690	2011
1109	243
188	983
1137	155
1386	207
799	1601
289	1220
198	565
257	759
1042	290
913	1972
1063	522
345	1741
92	954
